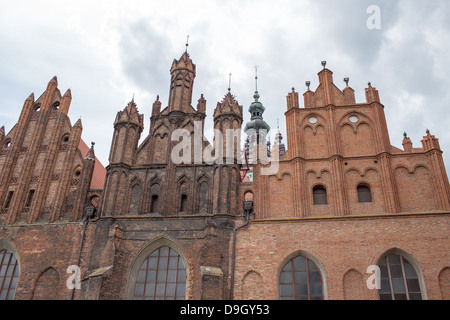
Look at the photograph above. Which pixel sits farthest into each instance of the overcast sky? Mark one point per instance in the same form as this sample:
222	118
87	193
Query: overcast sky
106	51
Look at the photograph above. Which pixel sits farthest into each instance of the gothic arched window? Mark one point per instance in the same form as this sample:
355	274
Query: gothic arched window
162	276
399	280
364	194
320	195
9	274
301	279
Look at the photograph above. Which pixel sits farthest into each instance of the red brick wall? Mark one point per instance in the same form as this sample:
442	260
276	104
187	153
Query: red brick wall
340	245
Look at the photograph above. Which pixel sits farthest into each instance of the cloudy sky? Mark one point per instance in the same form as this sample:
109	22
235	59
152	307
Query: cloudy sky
106	51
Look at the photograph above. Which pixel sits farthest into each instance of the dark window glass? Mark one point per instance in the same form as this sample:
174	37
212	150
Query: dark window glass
364	194
320	195
300	279
8	199
154	207
183	205
162	277
9	275
399	280
30	199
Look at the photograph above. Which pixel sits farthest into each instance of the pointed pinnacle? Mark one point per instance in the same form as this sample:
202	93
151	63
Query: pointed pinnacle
91	153
68	93
78	123
54	79
30	97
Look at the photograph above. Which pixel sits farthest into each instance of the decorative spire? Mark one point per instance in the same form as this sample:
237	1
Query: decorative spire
30	97
78	123
68	93
256	78
256	96
256	110
91	154
278	136
405	135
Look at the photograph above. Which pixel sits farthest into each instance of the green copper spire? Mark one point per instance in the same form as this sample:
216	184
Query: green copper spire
256	110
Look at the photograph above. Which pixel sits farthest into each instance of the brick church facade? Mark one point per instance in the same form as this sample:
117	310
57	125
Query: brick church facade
341	201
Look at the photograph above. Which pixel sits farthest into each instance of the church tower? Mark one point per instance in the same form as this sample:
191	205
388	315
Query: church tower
181	86
228	121
256	129
128	127
227	125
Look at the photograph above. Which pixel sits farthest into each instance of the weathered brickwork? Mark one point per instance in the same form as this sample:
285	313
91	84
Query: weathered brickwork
343	198
341	245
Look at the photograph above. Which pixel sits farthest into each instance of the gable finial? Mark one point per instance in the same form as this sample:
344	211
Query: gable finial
187	42
308	83
229	82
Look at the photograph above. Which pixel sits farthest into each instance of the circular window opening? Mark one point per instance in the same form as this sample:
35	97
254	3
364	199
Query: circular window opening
66	139
313	120
353	119
77	173
7	144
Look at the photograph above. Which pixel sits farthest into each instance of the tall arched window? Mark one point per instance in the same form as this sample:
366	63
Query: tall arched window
399	280
183	203
162	276
320	195
364	194
301	279
9	274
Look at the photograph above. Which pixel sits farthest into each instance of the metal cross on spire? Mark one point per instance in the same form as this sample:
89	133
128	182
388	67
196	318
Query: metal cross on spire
187	42
229	82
